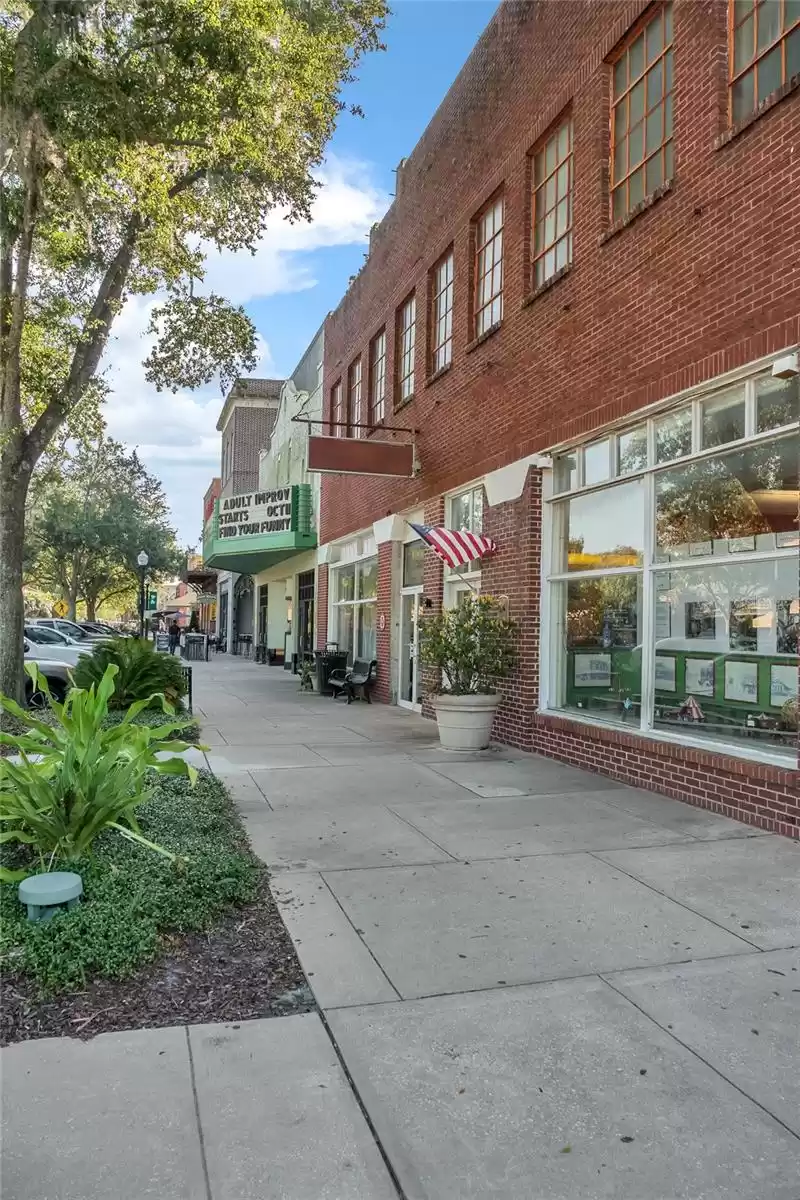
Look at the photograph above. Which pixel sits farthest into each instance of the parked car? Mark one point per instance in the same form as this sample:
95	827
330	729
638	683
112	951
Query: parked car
56	673
53	646
71	629
101	628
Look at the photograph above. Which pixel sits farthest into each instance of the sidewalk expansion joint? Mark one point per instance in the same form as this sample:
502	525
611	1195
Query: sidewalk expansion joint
200	1135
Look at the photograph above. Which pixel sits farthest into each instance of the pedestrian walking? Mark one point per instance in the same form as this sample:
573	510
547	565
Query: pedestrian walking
174	637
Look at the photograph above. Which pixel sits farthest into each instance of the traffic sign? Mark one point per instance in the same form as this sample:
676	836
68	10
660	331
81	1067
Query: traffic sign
152	601
60	608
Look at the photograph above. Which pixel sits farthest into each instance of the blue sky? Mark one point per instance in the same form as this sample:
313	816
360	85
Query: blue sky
299	272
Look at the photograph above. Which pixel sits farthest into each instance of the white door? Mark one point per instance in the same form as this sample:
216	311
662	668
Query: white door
408	692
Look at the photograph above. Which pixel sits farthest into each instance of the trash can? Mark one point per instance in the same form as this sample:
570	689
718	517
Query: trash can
328	661
194	647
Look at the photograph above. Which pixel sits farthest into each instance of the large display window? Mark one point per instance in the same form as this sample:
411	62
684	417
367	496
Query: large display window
672	589
355	591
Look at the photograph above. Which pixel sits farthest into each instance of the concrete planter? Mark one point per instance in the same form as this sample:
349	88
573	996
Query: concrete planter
465	722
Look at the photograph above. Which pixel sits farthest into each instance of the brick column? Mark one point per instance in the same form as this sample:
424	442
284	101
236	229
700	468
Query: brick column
515	571
322	605
433	591
383	637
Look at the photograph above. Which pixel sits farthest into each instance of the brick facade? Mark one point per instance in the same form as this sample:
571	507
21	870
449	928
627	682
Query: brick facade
703	279
383	609
322	605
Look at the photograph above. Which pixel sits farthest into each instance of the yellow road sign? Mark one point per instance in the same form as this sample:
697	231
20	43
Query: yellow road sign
60	608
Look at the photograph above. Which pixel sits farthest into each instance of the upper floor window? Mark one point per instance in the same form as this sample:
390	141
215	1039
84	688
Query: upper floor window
377	377
337	411
552	205
489	267
354	417
442	314
406	342
764	51
641	120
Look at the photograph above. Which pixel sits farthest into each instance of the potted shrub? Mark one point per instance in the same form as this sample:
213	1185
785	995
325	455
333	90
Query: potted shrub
472	647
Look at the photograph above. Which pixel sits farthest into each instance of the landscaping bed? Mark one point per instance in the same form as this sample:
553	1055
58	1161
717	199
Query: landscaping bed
154	942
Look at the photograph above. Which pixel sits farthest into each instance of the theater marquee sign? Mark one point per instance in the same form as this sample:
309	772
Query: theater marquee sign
256	513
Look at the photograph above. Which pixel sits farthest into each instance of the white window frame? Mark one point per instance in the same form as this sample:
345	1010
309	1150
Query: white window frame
335	605
458	582
650	569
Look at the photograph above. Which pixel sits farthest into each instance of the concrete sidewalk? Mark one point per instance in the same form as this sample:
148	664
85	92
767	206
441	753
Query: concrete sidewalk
541	986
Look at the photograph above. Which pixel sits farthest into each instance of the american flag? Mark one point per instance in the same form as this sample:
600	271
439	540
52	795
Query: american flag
454	546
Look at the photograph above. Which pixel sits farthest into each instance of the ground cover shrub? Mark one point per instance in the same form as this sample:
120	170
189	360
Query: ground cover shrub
134	900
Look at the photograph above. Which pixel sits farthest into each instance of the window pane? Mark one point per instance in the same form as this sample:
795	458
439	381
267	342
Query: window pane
461	511
596	462
654	175
413	563
346	582
793	53
654	36
654	130
668	162
743	44
636	102
636	57
729	504
367	578
777	402
605	529
366	631
621	75
743	102
768	23
563	141
668	70
345	628
600	662
636	188
655	84
632	450
621	158
769	74
477	510
723	419
563	252
565	471
726	646
619	203
673	436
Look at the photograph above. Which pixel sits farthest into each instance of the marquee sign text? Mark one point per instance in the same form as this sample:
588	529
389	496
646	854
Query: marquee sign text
256	513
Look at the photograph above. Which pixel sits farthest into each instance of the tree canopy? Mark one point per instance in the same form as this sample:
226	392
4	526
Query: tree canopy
135	135
89	520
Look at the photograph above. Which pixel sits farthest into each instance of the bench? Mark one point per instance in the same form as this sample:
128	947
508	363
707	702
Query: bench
360	677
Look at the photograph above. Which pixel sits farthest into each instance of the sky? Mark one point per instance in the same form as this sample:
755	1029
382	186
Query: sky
300	272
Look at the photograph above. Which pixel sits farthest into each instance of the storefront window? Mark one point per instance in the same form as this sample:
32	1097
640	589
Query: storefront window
465	512
355	591
674	595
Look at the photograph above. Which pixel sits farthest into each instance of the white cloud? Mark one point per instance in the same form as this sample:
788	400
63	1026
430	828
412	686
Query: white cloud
176	434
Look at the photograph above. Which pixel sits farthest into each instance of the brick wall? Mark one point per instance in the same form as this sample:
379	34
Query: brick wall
513	572
322	605
251	430
701	282
755	793
383	637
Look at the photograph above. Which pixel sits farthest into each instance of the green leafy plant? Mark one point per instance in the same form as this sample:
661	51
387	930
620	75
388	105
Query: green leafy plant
76	778
306	675
472	646
132	898
142	672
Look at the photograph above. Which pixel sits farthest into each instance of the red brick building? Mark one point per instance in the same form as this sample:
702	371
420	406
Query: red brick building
585	303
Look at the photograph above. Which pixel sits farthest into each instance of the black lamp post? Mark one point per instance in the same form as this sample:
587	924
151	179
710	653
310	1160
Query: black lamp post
142	561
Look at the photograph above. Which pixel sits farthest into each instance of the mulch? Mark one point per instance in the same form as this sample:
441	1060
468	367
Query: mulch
245	967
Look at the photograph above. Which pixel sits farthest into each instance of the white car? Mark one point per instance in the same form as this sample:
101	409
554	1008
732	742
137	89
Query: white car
56	673
70	629
52	646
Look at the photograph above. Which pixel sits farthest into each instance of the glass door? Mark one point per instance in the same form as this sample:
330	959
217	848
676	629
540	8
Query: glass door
408	694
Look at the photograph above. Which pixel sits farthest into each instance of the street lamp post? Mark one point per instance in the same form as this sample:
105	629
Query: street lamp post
142	561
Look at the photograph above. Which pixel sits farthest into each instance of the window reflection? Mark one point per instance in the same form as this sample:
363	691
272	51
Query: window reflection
723	419
730	503
606	529
726	650
777	402
600	632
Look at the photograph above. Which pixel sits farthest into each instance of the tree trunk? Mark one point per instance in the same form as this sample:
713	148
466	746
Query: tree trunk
13	493
91	608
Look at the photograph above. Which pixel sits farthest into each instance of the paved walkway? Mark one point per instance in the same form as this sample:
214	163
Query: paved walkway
535	985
